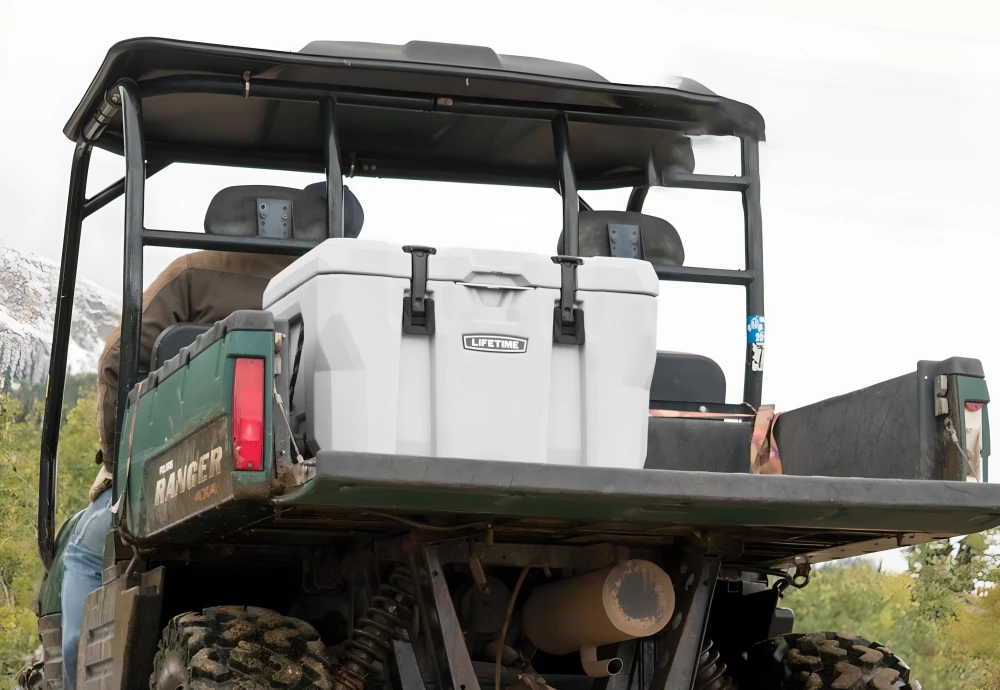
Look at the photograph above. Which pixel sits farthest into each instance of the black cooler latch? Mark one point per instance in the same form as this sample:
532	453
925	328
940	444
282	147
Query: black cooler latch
418	308
567	325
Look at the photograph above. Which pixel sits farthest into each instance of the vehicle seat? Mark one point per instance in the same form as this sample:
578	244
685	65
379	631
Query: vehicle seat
629	235
678	377
172	340
247	211
279	212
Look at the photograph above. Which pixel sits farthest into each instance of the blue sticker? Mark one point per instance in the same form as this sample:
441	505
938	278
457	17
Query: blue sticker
755	330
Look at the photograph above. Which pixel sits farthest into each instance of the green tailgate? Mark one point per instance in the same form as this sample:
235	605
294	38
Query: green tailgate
180	479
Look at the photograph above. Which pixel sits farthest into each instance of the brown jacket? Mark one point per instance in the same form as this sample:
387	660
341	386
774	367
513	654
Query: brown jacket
202	287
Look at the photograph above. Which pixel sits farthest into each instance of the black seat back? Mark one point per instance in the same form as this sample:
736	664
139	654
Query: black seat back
680	377
278	212
172	339
629	235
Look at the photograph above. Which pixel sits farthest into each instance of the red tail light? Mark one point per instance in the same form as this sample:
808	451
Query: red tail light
248	415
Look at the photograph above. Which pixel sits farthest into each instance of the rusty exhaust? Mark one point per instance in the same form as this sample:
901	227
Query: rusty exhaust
632	599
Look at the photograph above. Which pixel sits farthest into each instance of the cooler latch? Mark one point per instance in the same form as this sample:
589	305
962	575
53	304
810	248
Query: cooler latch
418	308
567	325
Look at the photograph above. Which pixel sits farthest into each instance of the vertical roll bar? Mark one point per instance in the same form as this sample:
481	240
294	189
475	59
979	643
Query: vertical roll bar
567	186
334	178
60	347
135	186
753	376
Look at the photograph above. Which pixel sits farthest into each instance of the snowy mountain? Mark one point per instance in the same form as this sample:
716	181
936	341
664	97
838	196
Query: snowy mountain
28	289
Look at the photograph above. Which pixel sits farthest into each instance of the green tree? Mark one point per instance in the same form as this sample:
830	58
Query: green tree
20	566
18	557
942	617
978	632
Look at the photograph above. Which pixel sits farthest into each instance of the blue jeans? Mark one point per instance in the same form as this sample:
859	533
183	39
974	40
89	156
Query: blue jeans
83	558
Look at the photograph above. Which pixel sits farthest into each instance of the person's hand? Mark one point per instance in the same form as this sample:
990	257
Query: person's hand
101	484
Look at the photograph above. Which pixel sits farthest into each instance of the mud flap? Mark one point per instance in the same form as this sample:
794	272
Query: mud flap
50	635
120	631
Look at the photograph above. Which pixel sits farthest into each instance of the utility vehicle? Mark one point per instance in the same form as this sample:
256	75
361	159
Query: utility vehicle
423	468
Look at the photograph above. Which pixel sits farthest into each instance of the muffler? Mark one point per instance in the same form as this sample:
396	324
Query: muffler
578	614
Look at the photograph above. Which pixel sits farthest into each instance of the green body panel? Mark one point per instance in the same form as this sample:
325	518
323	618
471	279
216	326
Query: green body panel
974	390
50	592
181	438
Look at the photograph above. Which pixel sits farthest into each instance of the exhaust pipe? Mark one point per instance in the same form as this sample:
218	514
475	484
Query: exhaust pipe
578	614
599	668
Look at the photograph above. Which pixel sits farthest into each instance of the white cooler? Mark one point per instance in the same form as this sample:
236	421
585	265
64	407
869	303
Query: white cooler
489	383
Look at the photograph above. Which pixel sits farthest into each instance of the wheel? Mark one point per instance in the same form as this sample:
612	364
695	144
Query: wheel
230	647
818	661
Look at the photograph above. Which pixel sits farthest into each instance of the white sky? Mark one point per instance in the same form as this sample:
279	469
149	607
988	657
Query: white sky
878	177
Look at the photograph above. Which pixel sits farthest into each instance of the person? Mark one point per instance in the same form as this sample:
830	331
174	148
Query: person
201	287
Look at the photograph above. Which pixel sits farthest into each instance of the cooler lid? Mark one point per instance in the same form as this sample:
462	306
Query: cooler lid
345	256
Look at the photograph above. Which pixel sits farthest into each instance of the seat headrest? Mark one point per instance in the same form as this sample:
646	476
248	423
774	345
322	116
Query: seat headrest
280	212
354	215
626	234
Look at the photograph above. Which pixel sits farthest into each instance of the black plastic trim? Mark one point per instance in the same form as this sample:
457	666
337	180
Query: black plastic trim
567	320
246	320
418	308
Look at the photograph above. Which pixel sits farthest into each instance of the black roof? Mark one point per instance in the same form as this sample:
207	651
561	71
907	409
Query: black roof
420	110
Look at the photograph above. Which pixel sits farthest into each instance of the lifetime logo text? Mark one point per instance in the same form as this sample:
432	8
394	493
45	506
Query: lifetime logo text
495	343
187	478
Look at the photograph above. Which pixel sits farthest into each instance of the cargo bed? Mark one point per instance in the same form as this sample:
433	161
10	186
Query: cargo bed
771	518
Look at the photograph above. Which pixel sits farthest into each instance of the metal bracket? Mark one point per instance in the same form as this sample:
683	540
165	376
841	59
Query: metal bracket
567	324
406	670
460	668
418	308
680	643
274	218
625	241
941	406
801	578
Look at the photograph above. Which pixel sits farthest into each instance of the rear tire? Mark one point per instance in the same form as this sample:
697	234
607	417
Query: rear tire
230	647
822	661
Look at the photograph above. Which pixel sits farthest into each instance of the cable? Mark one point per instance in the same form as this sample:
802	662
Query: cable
506	622
420	525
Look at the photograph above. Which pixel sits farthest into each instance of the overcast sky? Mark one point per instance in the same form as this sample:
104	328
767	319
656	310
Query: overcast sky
879	200
879	174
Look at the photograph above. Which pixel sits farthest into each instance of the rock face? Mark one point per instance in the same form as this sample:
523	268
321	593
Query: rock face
28	292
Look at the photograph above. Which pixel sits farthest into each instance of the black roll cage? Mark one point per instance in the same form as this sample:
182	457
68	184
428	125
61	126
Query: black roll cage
127	96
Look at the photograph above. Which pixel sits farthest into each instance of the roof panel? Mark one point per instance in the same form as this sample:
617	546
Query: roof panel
430	53
427	110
